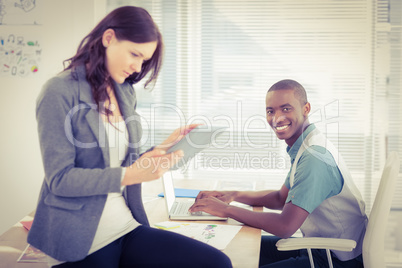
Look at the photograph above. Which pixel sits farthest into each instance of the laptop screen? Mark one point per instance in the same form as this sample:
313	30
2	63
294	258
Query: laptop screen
169	189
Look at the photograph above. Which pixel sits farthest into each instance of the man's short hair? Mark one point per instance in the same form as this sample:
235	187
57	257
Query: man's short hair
299	91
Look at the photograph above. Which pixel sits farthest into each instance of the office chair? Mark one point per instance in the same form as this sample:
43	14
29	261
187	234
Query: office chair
373	242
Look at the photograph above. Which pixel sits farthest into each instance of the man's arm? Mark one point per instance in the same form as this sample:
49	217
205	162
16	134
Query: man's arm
268	198
282	224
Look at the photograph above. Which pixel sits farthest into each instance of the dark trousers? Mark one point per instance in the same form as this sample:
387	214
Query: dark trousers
270	257
150	247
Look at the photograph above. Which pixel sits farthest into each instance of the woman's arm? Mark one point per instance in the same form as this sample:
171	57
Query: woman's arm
153	164
150	166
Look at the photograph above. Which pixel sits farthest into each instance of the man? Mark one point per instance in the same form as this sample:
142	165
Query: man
318	195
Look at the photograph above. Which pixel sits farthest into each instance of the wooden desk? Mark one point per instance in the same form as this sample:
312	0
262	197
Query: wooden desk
12	243
243	250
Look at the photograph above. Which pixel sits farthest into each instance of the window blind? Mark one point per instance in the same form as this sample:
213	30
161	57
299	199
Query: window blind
392	42
222	56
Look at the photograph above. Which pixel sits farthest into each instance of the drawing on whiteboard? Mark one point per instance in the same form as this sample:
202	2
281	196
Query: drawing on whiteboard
19	12
19	56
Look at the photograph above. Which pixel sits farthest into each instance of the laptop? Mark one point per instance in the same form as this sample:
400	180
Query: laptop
178	208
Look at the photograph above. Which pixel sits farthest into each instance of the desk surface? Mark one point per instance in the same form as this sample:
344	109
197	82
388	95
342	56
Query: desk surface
243	250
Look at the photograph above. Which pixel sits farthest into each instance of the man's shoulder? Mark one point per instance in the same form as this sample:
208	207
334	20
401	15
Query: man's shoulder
316	155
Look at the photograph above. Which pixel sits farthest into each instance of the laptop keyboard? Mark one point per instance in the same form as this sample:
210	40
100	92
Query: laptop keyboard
181	208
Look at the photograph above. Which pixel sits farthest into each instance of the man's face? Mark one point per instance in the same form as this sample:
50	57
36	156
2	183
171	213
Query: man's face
286	115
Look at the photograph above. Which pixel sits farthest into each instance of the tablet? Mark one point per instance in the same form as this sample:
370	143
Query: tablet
194	142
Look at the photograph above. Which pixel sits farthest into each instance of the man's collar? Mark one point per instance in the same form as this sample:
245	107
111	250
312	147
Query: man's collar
292	151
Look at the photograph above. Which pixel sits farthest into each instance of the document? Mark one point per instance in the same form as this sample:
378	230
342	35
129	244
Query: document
216	235
32	254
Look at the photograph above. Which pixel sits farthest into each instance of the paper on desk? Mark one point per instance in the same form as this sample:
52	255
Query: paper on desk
241	205
32	254
216	235
27	224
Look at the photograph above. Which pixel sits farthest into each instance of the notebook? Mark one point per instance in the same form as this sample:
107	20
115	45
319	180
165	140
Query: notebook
178	208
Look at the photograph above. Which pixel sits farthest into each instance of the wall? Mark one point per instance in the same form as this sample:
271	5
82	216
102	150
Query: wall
63	24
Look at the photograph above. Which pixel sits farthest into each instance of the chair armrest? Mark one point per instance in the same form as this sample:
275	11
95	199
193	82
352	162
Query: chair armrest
316	243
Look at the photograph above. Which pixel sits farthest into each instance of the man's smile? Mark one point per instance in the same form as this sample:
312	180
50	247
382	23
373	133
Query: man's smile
282	128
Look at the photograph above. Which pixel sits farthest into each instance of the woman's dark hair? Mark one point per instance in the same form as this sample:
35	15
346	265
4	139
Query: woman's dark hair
129	23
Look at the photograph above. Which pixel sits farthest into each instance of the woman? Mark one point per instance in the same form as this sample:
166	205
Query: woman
90	212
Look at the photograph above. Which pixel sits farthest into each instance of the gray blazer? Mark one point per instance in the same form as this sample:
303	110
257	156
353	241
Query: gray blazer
78	176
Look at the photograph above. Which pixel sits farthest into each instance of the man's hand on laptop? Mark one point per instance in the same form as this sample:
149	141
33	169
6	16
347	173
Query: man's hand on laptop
211	205
225	196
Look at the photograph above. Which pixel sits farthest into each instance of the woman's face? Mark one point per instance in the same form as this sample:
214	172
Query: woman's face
123	57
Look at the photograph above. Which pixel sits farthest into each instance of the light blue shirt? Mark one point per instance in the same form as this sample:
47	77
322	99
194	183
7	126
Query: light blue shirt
317	176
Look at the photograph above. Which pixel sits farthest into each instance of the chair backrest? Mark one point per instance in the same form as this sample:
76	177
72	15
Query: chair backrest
373	243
